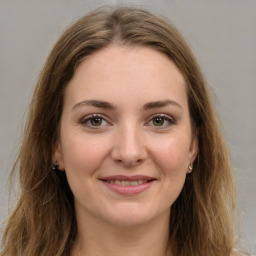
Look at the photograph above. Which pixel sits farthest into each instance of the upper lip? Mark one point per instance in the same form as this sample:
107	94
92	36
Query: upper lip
128	178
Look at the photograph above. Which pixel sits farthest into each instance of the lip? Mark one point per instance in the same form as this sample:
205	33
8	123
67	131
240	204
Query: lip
128	178
129	189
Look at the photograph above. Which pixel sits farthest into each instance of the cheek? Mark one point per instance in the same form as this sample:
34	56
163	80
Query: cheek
172	155
83	154
172	160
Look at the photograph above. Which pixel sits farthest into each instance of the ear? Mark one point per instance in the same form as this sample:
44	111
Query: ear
57	155
193	147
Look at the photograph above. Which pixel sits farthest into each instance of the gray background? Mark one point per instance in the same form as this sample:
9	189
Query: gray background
222	35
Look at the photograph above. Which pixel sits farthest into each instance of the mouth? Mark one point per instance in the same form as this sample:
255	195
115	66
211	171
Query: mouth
126	182
128	185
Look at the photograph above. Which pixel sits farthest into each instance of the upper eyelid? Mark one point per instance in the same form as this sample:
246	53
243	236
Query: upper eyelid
94	115
161	115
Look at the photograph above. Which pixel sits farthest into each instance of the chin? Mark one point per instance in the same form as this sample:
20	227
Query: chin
126	222
130	216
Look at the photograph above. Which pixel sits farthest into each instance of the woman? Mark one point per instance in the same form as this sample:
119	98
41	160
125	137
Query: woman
122	153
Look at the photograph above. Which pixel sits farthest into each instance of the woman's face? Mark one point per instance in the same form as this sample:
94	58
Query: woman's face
125	138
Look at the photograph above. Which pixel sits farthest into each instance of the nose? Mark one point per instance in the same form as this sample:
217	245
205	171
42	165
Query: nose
129	148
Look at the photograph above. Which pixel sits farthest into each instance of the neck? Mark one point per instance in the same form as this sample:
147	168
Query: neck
98	239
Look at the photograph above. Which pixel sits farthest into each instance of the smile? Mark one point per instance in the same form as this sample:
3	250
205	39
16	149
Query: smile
127	182
128	185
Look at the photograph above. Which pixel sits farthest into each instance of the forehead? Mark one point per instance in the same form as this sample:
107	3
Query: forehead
135	72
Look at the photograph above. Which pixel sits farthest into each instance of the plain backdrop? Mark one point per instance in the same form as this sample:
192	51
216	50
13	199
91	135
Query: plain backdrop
222	34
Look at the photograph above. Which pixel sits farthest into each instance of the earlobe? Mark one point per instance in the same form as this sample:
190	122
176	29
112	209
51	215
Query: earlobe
190	168
57	156
193	153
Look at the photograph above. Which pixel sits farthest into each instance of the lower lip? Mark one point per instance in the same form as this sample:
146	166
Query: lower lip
128	190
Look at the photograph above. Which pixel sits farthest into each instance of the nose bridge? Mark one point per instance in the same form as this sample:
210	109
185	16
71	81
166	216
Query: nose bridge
129	145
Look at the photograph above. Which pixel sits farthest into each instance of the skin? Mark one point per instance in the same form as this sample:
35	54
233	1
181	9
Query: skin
125	140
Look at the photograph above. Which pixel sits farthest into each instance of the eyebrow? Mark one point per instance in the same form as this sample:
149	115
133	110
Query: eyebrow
160	104
107	105
94	103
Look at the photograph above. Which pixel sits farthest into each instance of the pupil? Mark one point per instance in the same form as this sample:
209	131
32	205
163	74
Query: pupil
158	121
96	121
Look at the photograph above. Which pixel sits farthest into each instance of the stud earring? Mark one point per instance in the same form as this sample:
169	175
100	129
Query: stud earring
55	166
190	168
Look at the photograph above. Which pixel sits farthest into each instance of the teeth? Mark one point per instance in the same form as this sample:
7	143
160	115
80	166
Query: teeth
127	182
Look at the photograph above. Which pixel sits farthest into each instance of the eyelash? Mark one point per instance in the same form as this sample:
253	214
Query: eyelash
166	118
84	121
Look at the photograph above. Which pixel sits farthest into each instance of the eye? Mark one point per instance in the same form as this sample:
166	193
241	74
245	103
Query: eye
161	121
94	121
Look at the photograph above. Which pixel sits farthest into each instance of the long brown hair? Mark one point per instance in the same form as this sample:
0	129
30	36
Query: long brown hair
43	222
